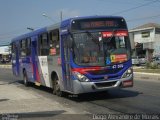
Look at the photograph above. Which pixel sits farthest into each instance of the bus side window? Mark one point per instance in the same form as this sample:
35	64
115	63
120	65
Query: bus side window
28	46
54	42
43	45
13	49
23	48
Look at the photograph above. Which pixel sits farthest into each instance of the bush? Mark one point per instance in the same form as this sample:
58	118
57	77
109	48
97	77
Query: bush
147	65
152	65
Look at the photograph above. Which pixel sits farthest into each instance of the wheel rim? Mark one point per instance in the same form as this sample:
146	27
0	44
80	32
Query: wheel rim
57	90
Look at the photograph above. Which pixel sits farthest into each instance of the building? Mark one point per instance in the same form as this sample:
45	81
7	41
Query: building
146	39
5	53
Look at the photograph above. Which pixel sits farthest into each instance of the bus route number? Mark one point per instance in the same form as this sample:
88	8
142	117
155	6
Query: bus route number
117	66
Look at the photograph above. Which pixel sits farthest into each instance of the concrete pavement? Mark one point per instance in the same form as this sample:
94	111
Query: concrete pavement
39	104
14	99
18	103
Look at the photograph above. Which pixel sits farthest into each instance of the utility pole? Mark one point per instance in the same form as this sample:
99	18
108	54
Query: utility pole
61	16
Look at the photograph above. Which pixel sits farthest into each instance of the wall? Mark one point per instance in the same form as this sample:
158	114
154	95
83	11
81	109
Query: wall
151	44
157	45
4	49
138	36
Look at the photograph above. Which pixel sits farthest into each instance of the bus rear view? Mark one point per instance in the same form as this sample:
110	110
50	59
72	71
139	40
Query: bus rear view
101	54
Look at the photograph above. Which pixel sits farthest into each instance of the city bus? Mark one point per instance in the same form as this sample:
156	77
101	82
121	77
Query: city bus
78	55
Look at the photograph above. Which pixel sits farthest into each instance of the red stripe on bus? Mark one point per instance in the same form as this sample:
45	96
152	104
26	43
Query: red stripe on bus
84	70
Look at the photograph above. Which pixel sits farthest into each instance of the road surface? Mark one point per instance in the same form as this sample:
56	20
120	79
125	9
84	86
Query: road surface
39	103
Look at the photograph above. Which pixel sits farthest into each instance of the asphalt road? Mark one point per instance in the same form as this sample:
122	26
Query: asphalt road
143	98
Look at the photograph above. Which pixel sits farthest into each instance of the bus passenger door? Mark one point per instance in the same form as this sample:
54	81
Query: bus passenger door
66	63
15	59
34	61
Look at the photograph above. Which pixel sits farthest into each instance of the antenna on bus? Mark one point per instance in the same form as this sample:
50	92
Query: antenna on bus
30	28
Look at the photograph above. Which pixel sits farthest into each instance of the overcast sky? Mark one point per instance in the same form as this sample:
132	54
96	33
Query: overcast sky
17	15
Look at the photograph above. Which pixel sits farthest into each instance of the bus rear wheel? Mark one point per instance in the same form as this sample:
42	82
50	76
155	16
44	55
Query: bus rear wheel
25	79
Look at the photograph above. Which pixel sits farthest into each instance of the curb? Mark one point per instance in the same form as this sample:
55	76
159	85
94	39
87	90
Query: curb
6	66
147	76
143	73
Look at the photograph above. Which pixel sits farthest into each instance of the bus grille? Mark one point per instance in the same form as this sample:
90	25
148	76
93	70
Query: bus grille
106	84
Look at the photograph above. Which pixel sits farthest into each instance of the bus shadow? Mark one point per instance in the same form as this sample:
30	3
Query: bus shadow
32	85
111	94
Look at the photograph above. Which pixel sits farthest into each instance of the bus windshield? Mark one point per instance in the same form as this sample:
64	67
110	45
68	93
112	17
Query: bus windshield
100	48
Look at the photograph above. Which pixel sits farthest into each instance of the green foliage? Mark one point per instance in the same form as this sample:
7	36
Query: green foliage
147	65
152	65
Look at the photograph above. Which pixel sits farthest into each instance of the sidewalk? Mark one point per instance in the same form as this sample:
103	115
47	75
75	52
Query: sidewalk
5	66
145	76
15	98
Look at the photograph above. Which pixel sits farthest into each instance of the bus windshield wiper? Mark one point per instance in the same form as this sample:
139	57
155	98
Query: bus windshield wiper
109	39
93	38
106	54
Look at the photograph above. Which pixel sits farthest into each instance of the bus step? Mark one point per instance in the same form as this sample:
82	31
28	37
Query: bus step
37	83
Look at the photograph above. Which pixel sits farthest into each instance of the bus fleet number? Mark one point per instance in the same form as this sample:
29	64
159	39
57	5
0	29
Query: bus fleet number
117	66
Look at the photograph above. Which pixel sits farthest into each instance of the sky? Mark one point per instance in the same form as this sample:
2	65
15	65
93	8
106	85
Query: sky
17	15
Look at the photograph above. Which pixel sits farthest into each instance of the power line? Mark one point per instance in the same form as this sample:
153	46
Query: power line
133	8
13	33
149	17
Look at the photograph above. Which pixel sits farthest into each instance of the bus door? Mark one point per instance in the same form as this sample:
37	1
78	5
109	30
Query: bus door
34	61
67	67
15	60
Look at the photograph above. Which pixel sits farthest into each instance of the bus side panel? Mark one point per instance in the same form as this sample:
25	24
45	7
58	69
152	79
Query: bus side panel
43	70
54	66
47	65
26	65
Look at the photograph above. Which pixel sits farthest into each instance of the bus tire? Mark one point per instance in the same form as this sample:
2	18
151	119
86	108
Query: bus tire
56	88
25	79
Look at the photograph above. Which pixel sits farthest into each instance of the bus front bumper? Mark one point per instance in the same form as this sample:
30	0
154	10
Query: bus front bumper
86	87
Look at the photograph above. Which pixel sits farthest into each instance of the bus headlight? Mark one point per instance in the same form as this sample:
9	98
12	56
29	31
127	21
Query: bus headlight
81	77
127	73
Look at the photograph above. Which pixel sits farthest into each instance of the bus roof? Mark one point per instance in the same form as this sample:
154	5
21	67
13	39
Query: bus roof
56	26
68	21
30	34
96	16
